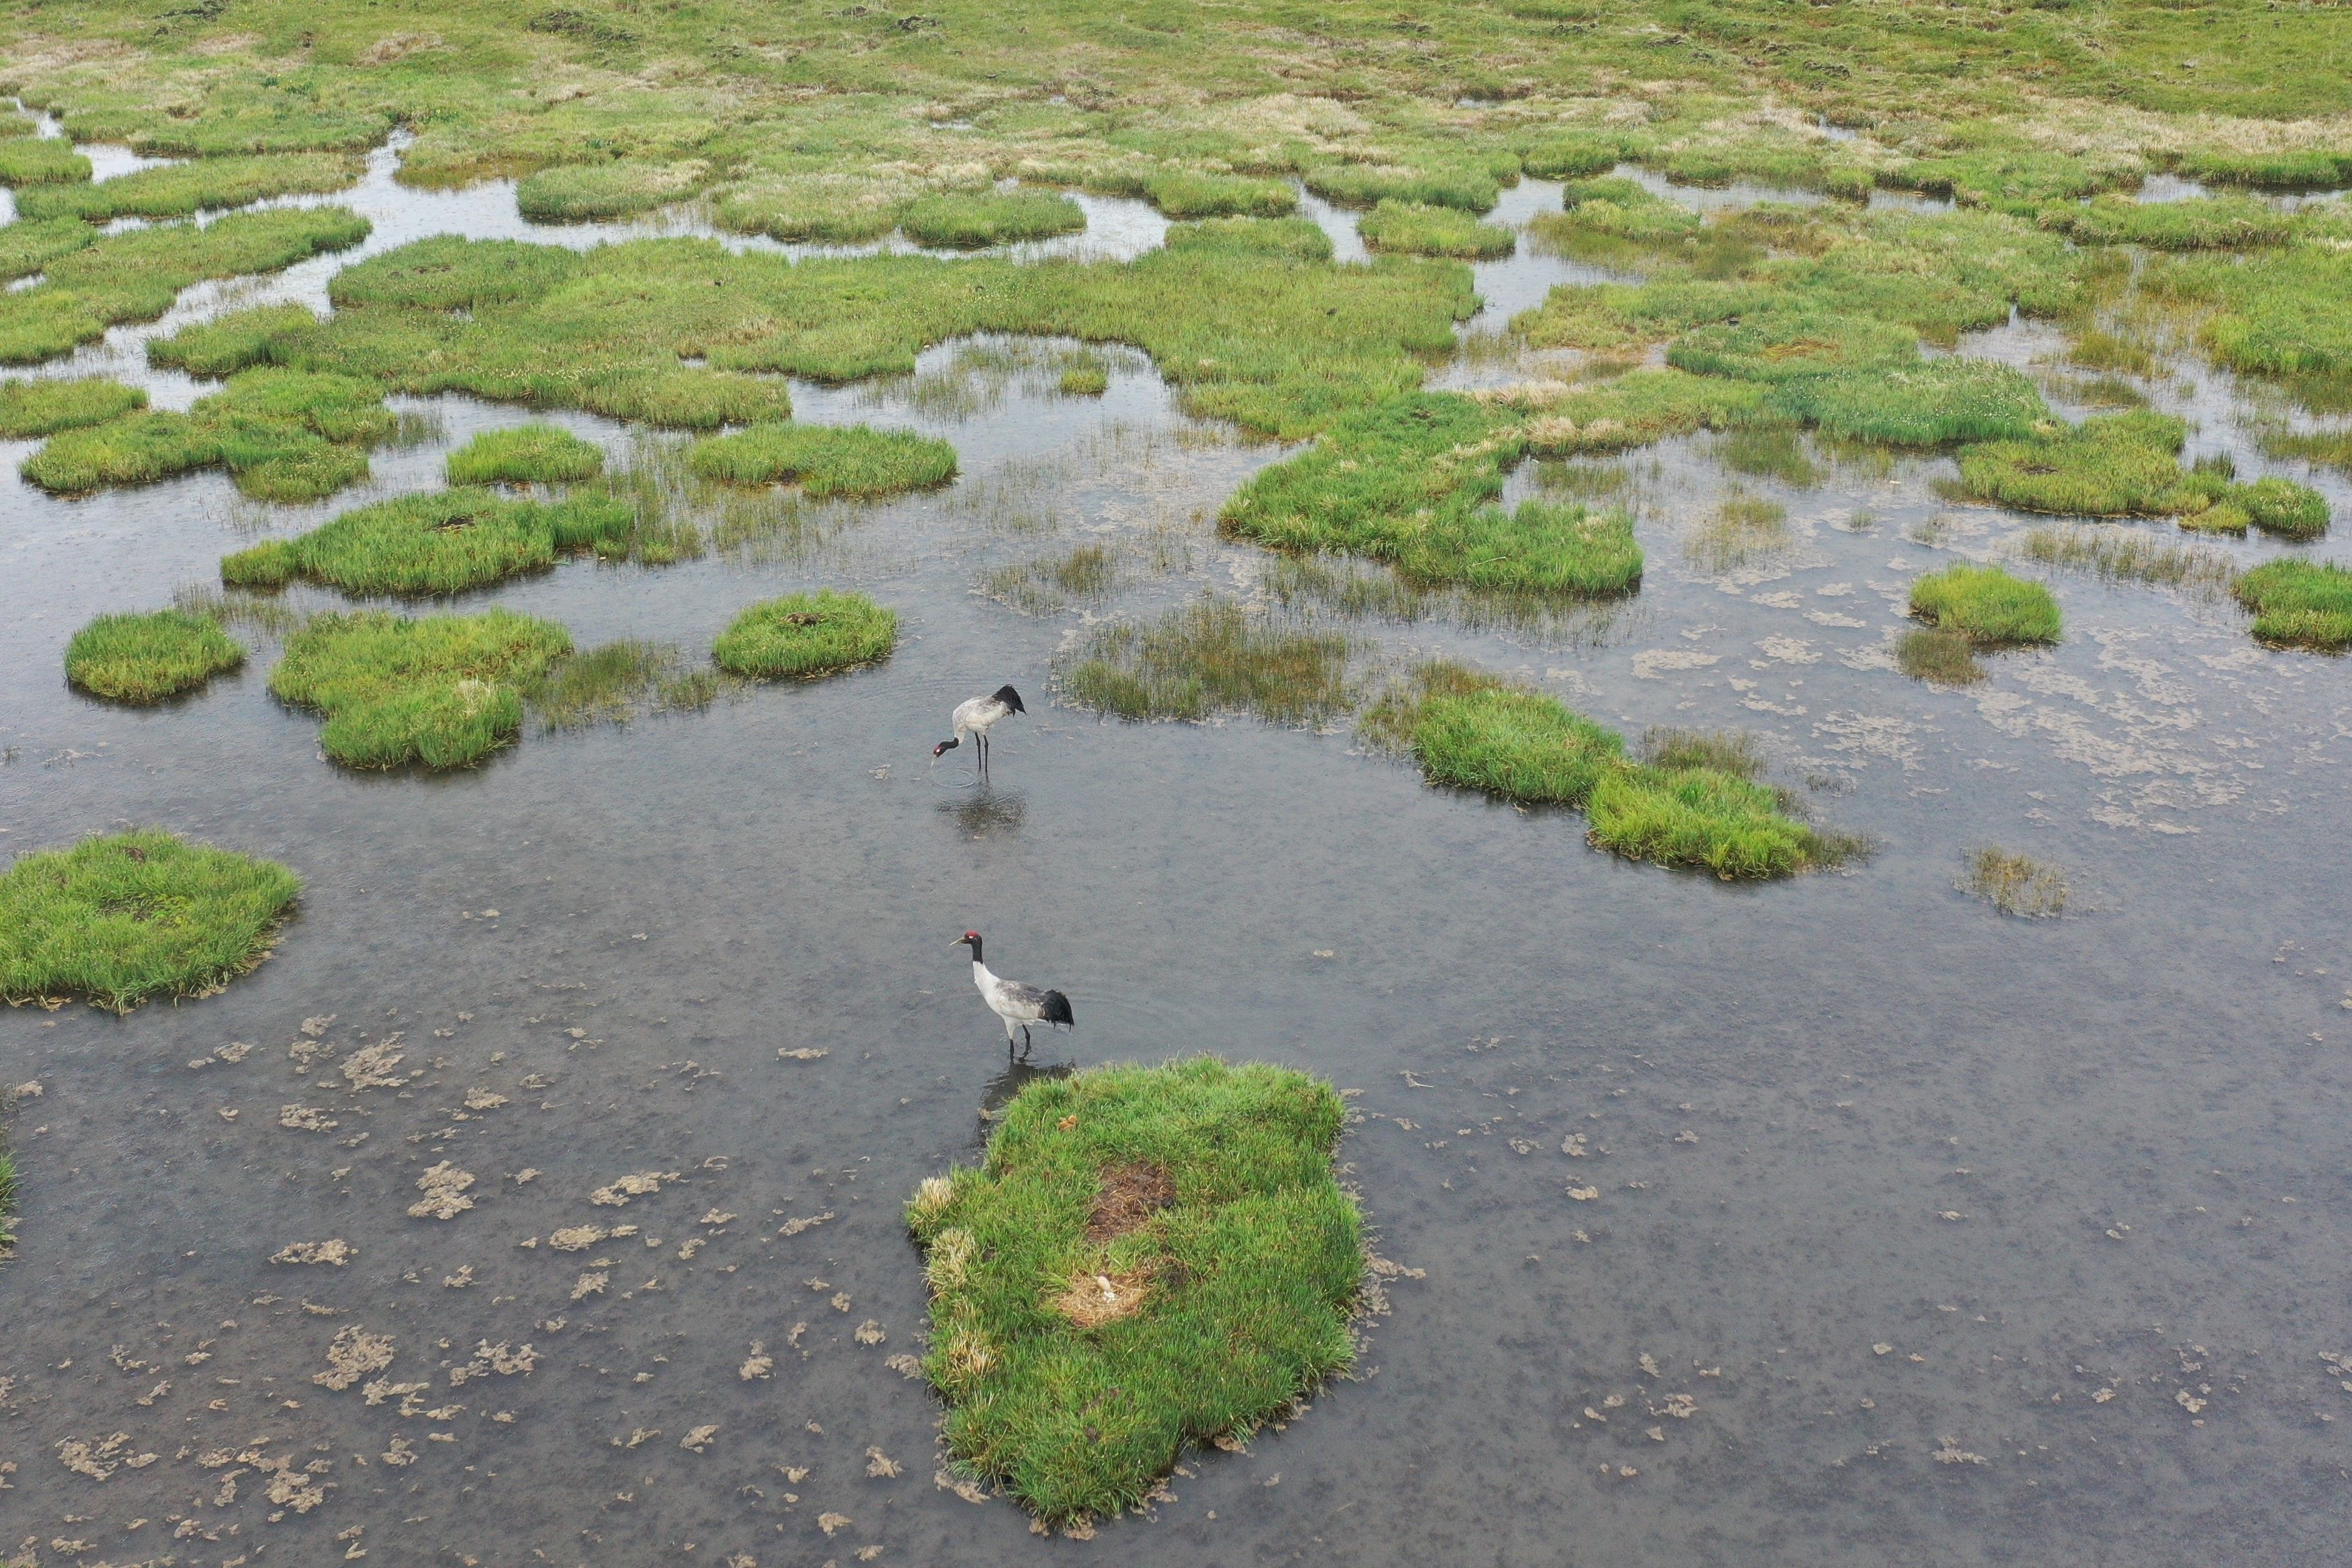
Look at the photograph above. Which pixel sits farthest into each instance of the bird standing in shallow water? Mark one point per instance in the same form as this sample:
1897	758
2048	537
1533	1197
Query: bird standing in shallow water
974	718
1019	1005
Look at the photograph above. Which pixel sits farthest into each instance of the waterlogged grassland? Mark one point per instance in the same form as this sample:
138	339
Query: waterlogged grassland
1147	1259
589	193
145	657
525	453
1409	228
2300	603
444	543
46	407
1209	657
1695	803
803	636
1987	605
974	219
2126	464
178	190
288	436
1281	347
133	915
135	275
826	460
444	691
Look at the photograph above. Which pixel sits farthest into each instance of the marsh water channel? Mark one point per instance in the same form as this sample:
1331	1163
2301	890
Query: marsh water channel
1841	1220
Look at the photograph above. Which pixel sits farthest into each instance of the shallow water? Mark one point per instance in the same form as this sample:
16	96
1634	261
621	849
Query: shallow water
1941	1220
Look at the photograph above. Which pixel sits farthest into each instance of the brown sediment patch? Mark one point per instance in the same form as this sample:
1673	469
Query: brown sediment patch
353	1354
1093	1299
444	1186
1130	1196
337	1252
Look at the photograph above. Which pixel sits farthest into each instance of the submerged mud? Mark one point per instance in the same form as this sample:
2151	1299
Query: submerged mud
539	1201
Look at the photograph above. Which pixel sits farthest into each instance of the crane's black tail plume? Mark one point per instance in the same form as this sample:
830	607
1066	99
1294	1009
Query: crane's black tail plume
1056	1009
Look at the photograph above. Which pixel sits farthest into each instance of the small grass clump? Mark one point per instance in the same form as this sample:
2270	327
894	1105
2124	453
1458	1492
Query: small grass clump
2016	884
1148	1258
970	221
803	636
1695	803
1209	656
1086	375
146	657
826	460
1928	405
1985	605
1410	229
288	435
1771	452
1743	529
44	407
442	690
1271	240
133	915
611	684
2300	603
1368	184
1183	194
27	163
525	453
442	542
1939	656
177	190
2125	556
585	192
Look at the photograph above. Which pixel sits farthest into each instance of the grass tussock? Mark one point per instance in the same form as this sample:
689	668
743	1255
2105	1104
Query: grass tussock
178	190
29	163
284	436
1409	228
591	193
443	690
970	220
2122	555
142	658
854	461
2016	884
2127	465
1209	657
2300	603
525	453
803	636
1939	656
135	275
1987	605
1742	530
1148	1257
133	915
44	407
1185	194
1051	581
1695	803
2230	222
1769	452
442	542
1281	239
1934	404
1083	374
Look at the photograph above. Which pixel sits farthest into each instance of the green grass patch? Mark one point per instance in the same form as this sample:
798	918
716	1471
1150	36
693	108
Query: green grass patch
29	163
1207	657
288	436
1273	239
1183	194
824	460
612	684
229	344
1368	184
2204	223
133	915
970	220
1410	228
2300	603
588	193
135	275
2127	465
803	636
1573	155
525	453
1943	657
1742	529
1985	605
44	407
2016	884
28	248
1773	452
1051	581
1932	403
444	543
1148	1258
442	690
177	190
1695	804
1776	345
1084	375
2096	350
146	657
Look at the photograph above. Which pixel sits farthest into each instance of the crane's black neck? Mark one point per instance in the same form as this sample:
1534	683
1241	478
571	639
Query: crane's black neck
975	949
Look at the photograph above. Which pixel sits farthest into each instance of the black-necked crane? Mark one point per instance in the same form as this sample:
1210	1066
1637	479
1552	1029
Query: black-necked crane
976	718
1019	1005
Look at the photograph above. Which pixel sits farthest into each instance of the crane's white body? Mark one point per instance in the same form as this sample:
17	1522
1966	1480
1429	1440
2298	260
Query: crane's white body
974	718
1018	1006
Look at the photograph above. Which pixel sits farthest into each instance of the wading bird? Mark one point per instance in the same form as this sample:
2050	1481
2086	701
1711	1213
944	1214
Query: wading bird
975	717
1019	1005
